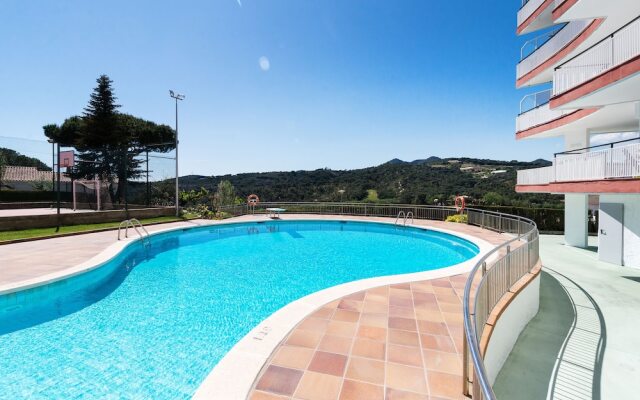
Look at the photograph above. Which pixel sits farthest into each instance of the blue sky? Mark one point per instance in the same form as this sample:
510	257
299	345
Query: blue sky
349	84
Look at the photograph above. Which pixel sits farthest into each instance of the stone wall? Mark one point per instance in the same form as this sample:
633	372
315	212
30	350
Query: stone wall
93	217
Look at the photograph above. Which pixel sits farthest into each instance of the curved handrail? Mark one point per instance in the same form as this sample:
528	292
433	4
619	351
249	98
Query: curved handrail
132	223
407	216
481	385
404	217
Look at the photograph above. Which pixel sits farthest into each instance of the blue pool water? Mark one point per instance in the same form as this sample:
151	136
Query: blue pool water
151	323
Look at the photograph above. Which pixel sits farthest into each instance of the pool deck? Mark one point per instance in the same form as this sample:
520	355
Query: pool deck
393	341
584	340
400	341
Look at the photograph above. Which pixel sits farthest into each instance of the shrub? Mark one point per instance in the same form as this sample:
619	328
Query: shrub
459	218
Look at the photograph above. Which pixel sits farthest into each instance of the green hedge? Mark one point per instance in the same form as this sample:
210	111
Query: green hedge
25	196
547	219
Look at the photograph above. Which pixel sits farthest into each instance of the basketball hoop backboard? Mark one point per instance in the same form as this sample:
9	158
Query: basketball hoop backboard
67	159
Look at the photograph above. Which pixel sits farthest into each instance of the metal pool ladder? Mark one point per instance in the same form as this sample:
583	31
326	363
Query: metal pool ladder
405	217
134	224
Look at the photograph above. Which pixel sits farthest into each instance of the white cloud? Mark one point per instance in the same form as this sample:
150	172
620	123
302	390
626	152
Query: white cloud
264	63
605	138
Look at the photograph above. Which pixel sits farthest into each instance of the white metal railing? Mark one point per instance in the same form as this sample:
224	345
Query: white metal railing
608	53
535	110
527	9
547	45
613	163
533	100
536	176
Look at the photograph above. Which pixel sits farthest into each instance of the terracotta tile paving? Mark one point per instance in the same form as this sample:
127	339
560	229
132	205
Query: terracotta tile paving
395	342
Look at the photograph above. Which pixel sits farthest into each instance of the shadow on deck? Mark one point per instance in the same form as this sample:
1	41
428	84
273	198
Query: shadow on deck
559	354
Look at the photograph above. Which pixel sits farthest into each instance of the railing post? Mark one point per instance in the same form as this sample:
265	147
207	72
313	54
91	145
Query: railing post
465	367
508	259
365	210
482	223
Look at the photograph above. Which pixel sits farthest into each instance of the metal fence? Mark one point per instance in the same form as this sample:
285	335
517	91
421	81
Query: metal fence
29	179
490	279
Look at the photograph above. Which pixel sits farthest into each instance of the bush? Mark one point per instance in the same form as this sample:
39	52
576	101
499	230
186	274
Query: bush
547	219
459	218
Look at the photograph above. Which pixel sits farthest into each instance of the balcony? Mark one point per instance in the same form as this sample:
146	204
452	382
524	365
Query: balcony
537	116
544	51
561	6
611	60
615	169
534	15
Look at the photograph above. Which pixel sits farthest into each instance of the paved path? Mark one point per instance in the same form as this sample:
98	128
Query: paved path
39	211
26	260
584	341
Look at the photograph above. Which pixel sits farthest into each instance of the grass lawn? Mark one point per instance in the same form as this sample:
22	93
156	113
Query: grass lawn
39	232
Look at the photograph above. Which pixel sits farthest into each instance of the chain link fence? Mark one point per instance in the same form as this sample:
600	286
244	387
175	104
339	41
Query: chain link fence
29	179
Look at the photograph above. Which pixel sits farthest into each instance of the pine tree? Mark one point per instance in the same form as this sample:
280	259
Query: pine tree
100	118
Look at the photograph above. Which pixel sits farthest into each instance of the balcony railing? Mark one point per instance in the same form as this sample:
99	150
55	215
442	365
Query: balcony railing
535	110
612	163
612	51
528	8
536	51
536	176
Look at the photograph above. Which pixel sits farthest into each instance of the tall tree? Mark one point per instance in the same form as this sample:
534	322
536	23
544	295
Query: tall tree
108	142
101	118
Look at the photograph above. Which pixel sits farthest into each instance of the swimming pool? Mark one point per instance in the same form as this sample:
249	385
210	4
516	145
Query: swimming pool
152	322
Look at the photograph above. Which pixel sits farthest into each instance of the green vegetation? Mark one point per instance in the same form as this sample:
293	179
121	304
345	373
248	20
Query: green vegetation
372	196
200	202
12	157
43	232
429	181
492	199
109	141
459	218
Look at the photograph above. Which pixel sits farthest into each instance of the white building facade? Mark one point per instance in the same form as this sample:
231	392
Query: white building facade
585	56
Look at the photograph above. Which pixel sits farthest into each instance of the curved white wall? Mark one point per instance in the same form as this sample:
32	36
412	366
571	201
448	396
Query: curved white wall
509	326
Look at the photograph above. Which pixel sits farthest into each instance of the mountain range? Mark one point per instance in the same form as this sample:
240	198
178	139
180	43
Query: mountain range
424	181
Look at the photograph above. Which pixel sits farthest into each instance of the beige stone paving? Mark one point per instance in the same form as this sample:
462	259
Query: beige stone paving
27	260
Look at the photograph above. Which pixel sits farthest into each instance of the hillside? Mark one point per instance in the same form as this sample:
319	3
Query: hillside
417	182
12	157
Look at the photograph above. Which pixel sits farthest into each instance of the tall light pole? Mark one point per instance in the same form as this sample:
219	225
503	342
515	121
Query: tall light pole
177	97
